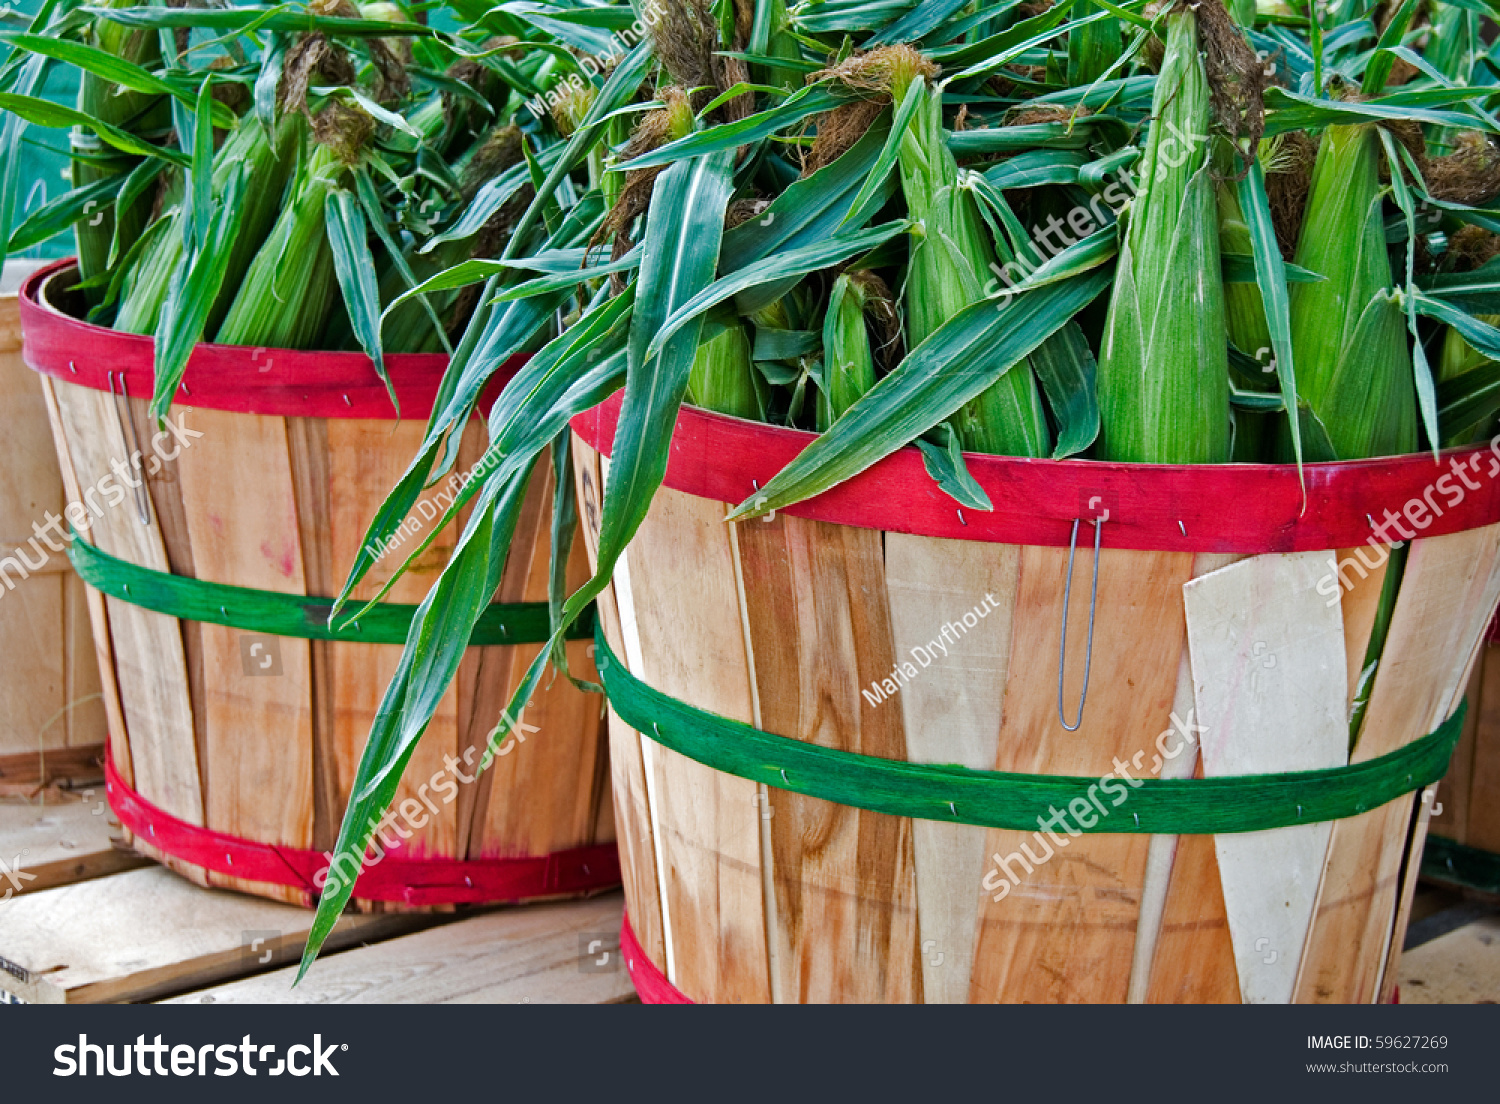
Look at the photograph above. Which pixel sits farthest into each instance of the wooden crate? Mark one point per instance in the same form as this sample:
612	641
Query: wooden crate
52	720
1467	807
77	934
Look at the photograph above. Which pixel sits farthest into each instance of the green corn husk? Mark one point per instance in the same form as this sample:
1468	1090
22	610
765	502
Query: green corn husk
722	378
1349	334
950	257
1164	366
270	163
848	363
291	287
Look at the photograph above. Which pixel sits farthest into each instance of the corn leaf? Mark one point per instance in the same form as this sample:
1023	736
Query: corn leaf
961	359
944	461
1271	278
435	645
57	215
45	113
349	237
684	232
802	104
1065	367
773	269
194	287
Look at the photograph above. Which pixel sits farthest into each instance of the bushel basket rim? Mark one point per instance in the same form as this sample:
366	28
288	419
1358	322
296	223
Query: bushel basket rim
1224	508
237	379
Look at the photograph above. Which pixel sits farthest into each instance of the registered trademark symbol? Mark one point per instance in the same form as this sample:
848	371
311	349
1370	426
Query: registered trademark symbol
345	1046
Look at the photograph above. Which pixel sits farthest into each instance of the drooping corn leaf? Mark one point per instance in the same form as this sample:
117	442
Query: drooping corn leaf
435	646
48	114
195	285
1271	279
57	215
355	267
944	461
684	232
533	408
1065	367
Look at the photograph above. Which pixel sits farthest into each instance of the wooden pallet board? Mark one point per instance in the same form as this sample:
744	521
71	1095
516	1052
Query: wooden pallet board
1461	967
149	933
53	845
565	953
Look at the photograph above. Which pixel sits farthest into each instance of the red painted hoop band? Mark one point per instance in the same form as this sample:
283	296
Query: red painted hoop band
651	985
1245	508
416	882
237	379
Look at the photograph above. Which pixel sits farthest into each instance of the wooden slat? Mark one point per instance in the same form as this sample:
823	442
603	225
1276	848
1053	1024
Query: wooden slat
845	908
1193	961
1447	593
538	954
1412	860
35	770
307	447
86	720
627	767
149	933
60	844
149	664
1066	931
258	736
951	713
33	692
1161	853
365	460
118	734
1483	814
1271	687
678	598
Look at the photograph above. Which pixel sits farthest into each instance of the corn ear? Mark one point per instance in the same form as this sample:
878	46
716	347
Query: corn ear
1164	370
722	378
291	286
950	258
848	364
269	160
1349	334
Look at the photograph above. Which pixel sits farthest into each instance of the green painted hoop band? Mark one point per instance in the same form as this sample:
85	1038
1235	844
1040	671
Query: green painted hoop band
1024	802
268	611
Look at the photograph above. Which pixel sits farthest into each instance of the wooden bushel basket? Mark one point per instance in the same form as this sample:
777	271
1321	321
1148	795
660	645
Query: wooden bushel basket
232	751
51	713
881	619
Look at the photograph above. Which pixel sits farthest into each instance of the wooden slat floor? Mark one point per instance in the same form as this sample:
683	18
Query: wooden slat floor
1452	953
83	921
